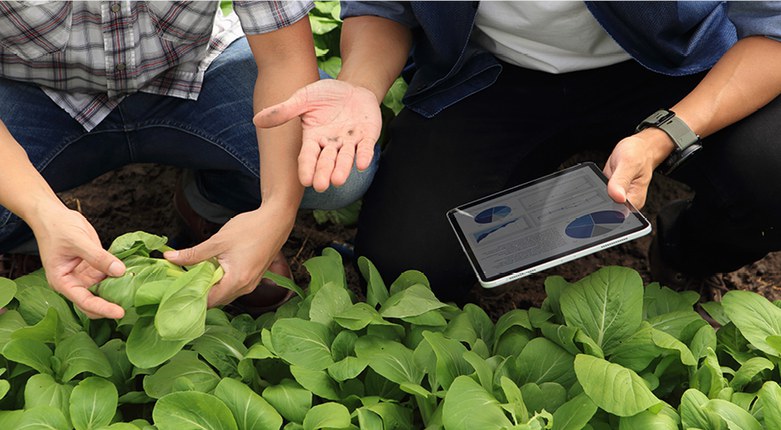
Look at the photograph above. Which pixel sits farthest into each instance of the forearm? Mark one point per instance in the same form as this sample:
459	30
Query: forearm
23	190
374	51
745	79
286	62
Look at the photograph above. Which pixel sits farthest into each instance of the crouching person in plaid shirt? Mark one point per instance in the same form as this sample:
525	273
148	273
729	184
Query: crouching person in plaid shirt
87	87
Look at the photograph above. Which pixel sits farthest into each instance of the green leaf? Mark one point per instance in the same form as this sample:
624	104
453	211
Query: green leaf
735	416
35	302
548	396
192	410
704	338
358	316
576	413
145	347
316	381
30	352
515	404
658	300
10	419
93	403
693	412
412	301
10	322
390	359
750	369
47	330
612	387
329	301
450	358
327	416
769	398
290	399
544	361
716	311
122	290
250	410
7	291
185	365
324	269
468	406
756	318
376	291
284	282
666	341
137	242
182	312
407	279
222	347
606	305
666	419
79	354
42	418
393	416
347	215
302	343
347	368
42	390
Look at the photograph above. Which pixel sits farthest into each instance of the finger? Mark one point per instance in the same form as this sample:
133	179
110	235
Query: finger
93	306
307	161
104	261
281	113
617	189
344	164
189	256
225	291
364	153
325	166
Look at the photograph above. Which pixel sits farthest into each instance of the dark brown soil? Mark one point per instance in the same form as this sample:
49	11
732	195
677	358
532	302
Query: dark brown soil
138	197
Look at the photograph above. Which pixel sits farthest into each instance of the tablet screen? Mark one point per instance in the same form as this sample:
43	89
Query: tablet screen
542	223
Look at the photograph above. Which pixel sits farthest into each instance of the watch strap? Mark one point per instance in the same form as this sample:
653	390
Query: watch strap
667	121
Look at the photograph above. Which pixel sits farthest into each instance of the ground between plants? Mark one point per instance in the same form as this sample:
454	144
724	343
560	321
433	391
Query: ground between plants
139	197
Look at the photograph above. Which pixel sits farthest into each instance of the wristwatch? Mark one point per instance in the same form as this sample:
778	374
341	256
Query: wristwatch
687	142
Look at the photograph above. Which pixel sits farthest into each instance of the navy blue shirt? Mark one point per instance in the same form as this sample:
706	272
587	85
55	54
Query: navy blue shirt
673	38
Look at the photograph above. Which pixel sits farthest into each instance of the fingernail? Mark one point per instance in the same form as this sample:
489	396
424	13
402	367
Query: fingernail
115	269
171	254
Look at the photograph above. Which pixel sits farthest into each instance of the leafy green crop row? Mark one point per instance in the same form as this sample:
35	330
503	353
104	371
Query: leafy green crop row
605	352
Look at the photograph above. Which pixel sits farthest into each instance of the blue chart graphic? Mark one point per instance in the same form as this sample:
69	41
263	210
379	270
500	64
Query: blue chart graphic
492	214
594	224
480	235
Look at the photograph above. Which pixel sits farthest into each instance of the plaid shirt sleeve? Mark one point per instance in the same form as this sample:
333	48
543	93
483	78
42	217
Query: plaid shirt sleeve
259	17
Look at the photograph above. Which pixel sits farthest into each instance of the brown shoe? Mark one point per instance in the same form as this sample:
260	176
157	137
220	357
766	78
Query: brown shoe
268	296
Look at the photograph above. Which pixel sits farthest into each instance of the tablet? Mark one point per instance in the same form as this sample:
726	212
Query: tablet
543	223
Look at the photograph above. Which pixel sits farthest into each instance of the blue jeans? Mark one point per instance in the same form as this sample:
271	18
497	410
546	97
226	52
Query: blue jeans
214	136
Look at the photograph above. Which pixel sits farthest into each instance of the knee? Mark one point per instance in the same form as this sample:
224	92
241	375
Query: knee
338	197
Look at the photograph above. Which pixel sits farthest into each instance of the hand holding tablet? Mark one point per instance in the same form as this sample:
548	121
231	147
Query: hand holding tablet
543	223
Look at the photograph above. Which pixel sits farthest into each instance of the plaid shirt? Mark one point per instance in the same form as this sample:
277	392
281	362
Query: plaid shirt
88	55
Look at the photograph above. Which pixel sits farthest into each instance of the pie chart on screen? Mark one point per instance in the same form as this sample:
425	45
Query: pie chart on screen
492	214
594	224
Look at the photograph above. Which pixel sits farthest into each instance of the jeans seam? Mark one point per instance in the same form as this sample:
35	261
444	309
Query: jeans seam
209	139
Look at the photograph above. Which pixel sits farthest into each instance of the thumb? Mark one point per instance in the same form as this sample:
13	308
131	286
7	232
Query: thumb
187	256
105	262
281	113
617	188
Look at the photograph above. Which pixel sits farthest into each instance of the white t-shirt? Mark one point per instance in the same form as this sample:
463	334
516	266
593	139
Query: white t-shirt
551	36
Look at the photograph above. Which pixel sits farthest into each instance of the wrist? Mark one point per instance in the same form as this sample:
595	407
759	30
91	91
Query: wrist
685	142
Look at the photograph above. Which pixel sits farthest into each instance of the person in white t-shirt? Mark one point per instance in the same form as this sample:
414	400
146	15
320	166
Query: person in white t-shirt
503	92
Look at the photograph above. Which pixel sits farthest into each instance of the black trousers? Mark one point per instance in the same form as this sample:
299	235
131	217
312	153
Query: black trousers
525	125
